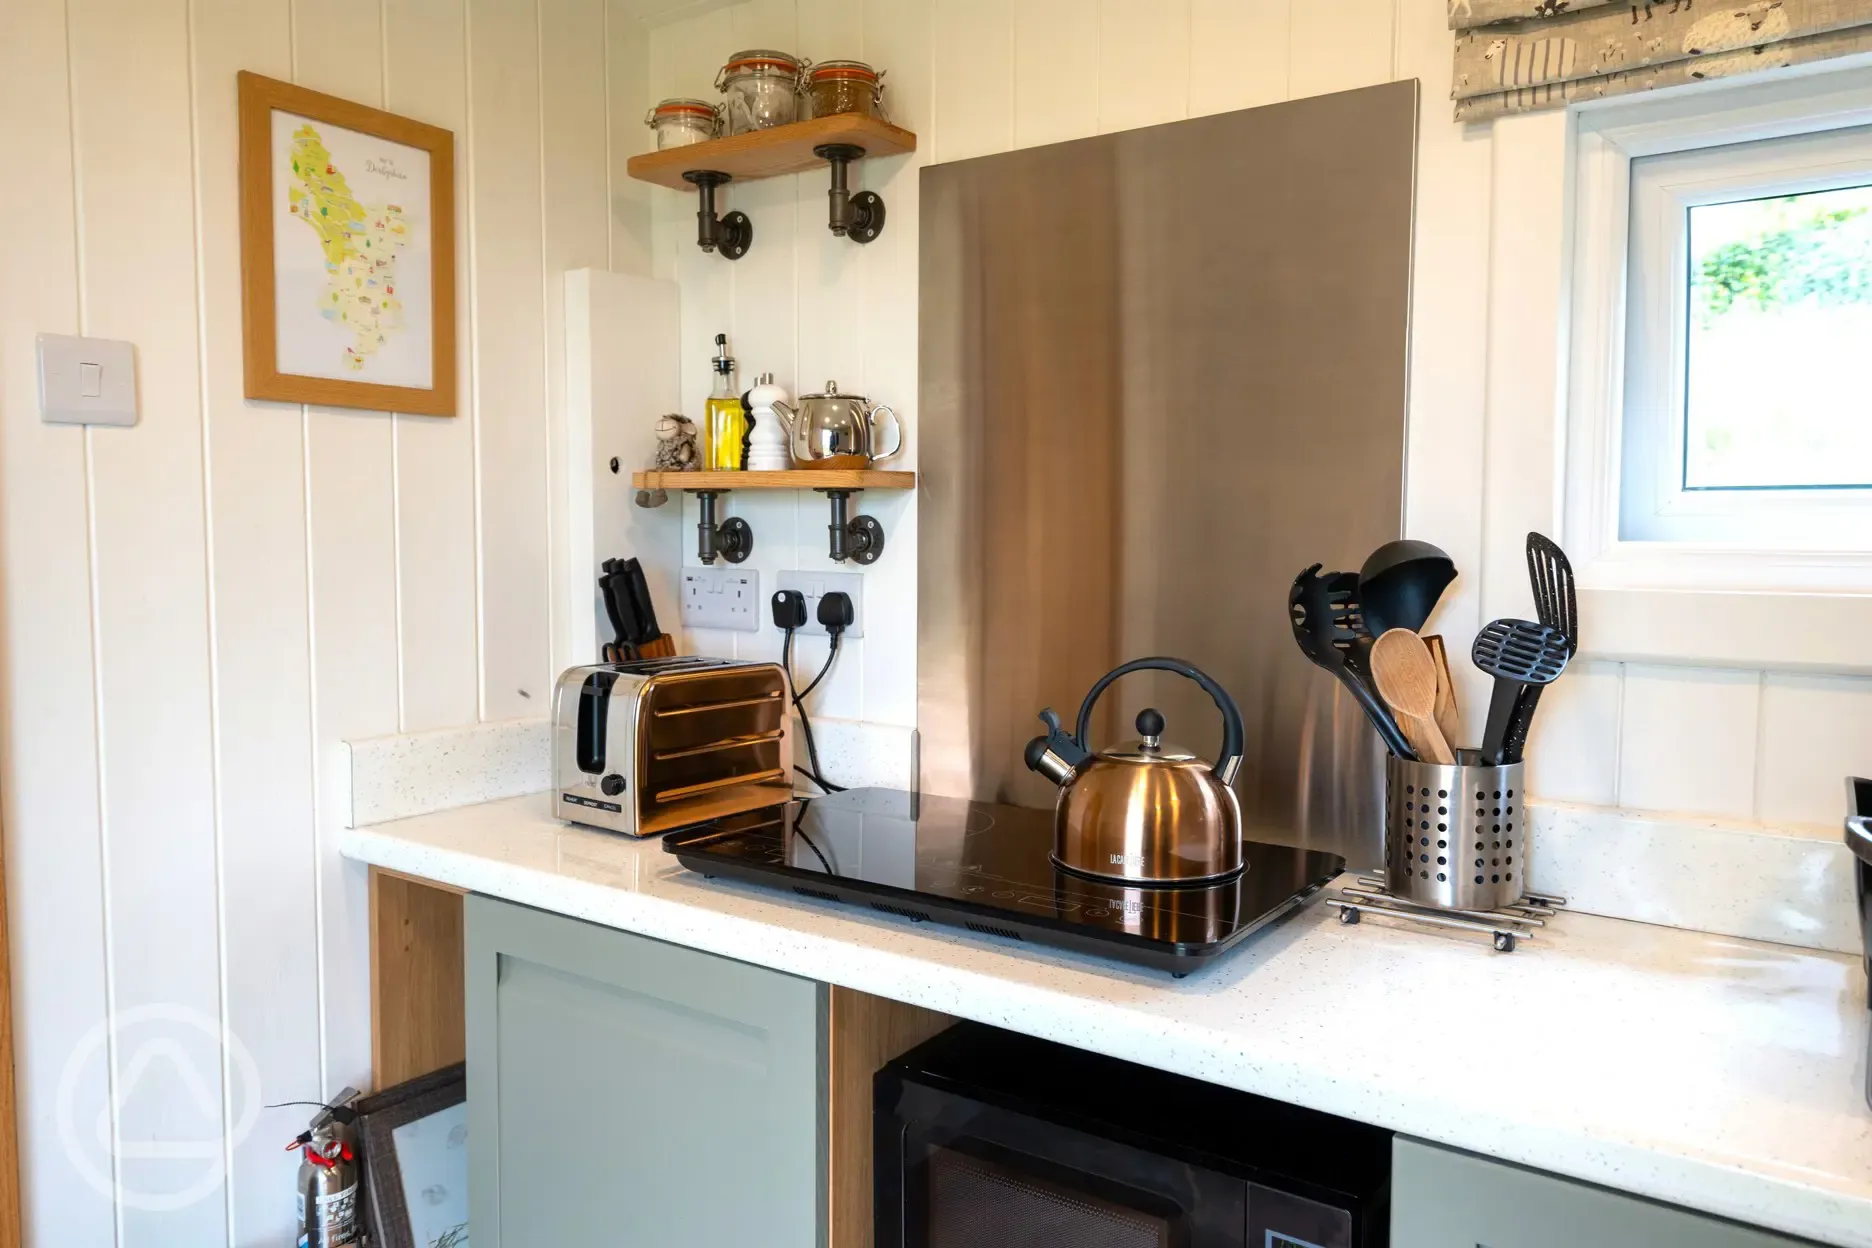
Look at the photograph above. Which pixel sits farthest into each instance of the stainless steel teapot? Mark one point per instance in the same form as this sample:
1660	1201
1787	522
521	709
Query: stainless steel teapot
834	430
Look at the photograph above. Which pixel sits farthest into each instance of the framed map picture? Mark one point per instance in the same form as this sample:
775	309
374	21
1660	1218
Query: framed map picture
347	252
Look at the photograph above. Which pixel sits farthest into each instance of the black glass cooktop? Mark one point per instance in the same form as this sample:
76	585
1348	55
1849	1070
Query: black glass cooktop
985	867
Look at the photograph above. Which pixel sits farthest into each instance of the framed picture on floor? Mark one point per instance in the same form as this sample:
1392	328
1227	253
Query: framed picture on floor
415	1143
347	252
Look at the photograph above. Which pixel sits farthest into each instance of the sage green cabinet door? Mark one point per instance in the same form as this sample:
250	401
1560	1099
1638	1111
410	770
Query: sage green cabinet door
626	1092
1445	1199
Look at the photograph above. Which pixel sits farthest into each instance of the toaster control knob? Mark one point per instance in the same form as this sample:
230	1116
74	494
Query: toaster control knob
611	785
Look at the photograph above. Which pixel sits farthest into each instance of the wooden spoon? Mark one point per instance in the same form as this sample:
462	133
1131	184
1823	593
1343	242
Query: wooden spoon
1406	675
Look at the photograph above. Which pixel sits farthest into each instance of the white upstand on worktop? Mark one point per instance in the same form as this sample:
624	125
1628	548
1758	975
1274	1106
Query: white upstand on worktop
1713	1073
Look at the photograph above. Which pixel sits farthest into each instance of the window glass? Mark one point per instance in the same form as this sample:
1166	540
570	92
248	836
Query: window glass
1778	365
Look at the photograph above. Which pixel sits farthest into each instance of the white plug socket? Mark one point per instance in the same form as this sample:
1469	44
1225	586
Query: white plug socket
723	597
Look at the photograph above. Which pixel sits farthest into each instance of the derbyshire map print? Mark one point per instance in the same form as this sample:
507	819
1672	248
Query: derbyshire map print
353	255
361	244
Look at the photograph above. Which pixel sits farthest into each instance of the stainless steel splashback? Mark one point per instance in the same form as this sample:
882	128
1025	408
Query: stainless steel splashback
1162	371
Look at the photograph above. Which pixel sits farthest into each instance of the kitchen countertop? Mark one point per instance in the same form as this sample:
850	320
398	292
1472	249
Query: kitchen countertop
1720	1074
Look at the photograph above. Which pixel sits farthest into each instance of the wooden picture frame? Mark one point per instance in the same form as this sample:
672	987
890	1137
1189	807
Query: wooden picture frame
387	1213
322	317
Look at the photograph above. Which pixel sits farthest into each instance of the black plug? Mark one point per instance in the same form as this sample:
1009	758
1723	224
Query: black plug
836	613
789	609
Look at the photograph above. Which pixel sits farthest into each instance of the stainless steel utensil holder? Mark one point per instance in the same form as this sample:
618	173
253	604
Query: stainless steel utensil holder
1455	836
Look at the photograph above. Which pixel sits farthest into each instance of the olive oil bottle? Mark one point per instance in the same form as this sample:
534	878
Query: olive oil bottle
727	419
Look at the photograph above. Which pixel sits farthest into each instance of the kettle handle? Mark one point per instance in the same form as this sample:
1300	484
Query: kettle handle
1229	761
896	427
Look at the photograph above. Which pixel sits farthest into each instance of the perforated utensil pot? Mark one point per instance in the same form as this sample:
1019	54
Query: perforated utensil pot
1455	837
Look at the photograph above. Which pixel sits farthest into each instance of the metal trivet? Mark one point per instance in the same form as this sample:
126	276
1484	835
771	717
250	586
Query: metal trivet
1508	925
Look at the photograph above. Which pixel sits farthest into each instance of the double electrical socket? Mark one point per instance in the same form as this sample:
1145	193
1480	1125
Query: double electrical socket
727	598
816	585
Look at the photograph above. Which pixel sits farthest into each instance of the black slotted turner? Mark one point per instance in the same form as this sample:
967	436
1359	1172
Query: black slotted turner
1556	600
1523	657
1556	604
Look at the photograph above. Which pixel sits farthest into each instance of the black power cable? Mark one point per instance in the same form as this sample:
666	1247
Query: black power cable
789	614
813	773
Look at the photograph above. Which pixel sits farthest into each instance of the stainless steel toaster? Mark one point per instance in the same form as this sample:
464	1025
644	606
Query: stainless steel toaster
655	744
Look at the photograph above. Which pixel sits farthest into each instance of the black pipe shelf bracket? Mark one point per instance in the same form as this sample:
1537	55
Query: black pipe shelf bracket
858	538
732	539
731	235
858	217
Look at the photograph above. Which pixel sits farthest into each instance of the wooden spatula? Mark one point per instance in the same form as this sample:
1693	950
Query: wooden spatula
1448	714
1406	675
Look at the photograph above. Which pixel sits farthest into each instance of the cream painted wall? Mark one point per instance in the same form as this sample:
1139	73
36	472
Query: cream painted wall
978	76
197	610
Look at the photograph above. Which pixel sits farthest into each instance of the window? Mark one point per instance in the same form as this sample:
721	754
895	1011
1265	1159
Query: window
1747	398
1713	266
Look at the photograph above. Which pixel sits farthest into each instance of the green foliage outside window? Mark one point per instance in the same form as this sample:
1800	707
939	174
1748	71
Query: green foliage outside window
1789	250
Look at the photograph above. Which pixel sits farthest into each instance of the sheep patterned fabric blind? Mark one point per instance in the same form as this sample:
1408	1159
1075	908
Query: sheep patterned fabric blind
1517	56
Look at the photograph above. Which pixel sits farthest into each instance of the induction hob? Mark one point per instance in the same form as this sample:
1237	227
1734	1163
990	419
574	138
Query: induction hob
985	867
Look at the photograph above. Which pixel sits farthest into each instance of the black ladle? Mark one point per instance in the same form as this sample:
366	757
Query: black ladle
1400	584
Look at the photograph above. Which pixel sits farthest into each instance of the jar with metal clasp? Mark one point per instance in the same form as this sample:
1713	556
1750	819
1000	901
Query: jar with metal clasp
846	87
681	122
762	87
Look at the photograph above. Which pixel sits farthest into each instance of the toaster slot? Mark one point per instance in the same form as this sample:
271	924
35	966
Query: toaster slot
710	786
701	708
593	711
729	743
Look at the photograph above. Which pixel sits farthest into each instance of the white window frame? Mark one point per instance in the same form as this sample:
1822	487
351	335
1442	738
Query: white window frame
1702	604
1730	603
1654	505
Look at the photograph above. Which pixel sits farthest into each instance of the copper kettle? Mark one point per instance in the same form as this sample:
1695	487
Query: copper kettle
1144	812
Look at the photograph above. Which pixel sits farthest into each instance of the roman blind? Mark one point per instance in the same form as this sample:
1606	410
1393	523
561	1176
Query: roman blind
1516	56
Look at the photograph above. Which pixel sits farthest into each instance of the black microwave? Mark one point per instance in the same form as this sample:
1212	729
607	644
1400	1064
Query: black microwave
987	1139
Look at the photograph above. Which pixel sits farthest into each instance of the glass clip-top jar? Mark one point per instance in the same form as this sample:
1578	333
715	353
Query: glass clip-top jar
846	87
763	89
681	122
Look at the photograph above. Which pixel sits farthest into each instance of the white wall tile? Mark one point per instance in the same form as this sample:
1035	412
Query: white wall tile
1339	45
974	65
262	621
1050	36
1144	63
49	733
1572	751
1238	54
1687	742
130	67
1816	731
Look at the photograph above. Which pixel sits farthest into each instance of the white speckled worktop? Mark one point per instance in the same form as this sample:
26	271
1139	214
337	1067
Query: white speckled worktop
1716	1073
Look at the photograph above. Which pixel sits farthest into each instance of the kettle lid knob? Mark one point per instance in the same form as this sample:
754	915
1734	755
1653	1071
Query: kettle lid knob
1150	726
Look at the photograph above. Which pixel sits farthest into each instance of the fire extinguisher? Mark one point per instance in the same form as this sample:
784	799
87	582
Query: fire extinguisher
328	1211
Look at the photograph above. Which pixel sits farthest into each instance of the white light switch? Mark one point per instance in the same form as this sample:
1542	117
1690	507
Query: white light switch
86	381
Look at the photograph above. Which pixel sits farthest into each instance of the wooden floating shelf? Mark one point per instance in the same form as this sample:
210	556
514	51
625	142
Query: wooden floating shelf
797	479
771	153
